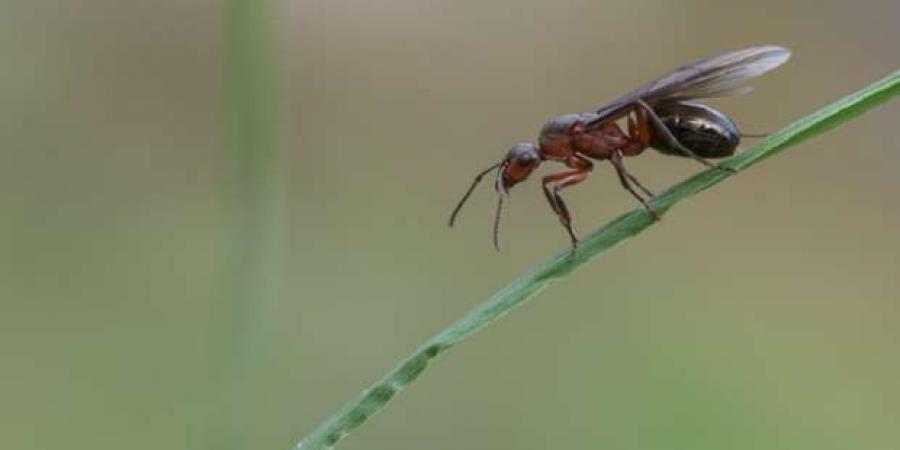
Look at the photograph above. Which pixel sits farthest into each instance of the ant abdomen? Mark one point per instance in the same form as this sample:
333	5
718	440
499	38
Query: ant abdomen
704	130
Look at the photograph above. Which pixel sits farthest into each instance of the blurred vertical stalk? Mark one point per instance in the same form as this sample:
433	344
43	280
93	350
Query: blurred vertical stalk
250	264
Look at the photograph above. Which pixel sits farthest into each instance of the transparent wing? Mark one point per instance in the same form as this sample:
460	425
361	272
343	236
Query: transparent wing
719	76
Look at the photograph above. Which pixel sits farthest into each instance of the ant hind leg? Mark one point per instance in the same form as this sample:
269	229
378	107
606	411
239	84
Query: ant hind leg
667	135
753	135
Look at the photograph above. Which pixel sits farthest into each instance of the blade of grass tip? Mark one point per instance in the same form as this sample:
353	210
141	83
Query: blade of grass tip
623	227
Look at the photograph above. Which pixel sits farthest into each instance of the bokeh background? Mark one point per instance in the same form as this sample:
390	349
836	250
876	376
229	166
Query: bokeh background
210	245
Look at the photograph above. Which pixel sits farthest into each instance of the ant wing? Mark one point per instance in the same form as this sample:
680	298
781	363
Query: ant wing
718	76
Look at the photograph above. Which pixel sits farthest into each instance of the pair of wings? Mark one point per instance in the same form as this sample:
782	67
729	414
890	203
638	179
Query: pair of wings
718	76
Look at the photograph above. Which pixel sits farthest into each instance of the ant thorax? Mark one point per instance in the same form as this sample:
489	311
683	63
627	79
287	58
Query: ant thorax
565	135
562	125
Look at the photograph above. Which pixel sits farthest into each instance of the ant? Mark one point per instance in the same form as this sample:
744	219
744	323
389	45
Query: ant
658	115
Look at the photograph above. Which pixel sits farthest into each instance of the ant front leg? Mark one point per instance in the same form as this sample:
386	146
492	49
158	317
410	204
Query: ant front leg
670	139
563	180
624	177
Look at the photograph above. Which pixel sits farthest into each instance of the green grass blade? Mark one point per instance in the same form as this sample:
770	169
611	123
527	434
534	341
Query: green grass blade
249	239
625	226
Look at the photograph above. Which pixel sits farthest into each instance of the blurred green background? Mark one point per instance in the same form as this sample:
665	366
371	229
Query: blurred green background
163	264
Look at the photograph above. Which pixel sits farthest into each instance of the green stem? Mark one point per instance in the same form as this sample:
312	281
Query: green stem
625	226
251	204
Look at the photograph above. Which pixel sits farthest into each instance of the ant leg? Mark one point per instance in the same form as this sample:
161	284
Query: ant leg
563	180
624	176
638	140
639	185
672	140
753	135
638	132
566	219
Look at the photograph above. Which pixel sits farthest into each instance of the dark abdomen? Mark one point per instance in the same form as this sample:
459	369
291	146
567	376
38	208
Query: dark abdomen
704	130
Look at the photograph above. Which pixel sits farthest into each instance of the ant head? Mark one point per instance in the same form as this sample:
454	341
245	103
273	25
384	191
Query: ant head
515	167
518	164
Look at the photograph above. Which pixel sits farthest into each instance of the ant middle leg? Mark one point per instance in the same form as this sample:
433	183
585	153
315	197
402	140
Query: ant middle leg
639	140
640	186
625	178
634	143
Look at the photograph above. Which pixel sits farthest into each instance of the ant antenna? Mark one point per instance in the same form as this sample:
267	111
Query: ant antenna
497	222
469	192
